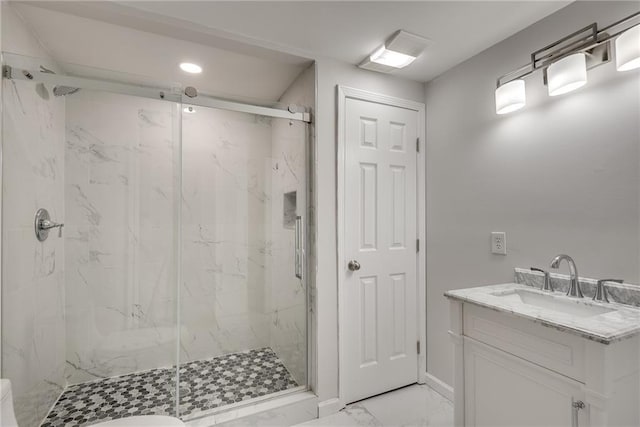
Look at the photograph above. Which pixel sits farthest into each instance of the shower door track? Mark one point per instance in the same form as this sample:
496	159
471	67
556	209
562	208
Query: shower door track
175	94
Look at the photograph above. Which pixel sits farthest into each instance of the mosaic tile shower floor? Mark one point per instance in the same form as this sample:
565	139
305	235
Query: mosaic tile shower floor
204	384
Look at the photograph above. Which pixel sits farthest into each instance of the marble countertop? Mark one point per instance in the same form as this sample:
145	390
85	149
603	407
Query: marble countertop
621	322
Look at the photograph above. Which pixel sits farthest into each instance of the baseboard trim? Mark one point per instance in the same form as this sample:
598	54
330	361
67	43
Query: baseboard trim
329	406
440	386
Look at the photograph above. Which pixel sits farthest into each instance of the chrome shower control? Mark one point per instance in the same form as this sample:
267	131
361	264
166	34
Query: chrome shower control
354	265
43	223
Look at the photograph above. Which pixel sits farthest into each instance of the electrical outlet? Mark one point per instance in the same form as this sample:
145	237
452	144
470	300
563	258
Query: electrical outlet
499	243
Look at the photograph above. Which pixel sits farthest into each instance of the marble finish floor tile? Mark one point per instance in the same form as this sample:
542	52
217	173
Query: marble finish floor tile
415	405
204	385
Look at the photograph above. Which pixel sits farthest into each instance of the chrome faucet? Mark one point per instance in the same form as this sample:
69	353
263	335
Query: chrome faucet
574	284
601	289
546	286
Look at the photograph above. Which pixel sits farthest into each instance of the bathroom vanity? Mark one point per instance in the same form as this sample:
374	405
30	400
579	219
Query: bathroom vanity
528	357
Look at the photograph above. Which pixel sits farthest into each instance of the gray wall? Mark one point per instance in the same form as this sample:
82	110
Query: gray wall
560	176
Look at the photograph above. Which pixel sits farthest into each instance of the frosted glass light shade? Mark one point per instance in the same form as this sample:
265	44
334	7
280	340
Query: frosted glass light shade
510	97
568	74
628	49
391	58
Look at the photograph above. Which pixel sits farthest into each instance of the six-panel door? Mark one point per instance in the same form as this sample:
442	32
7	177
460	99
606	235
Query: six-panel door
380	234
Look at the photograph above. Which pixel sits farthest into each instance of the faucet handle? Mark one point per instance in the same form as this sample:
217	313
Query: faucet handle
547	279
601	289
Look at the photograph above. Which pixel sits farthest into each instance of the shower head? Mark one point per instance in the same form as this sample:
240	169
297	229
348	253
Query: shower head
60	90
64	90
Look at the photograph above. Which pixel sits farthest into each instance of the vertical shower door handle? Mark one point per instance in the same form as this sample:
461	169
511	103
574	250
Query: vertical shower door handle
299	250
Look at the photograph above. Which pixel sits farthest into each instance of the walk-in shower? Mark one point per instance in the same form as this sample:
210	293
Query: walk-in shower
177	285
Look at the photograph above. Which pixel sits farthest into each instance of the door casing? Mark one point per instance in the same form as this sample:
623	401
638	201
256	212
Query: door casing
344	93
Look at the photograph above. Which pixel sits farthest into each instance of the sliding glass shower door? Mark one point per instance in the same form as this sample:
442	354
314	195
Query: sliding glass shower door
243	301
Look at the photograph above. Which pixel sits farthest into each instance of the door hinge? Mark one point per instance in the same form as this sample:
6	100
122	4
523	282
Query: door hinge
417	245
418	346
418	145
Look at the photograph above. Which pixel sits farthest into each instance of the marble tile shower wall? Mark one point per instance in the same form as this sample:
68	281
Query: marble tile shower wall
119	197
226	240
33	299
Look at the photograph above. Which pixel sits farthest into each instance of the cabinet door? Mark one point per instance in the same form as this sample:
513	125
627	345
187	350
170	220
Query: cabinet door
504	390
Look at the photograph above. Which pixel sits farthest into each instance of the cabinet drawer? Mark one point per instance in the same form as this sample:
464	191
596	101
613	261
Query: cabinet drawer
559	351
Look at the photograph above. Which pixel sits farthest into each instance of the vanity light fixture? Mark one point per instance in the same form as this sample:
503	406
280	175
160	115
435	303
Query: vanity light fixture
567	75
400	50
510	97
628	49
190	68
564	63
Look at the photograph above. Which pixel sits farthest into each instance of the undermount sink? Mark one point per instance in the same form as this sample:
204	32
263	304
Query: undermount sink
570	306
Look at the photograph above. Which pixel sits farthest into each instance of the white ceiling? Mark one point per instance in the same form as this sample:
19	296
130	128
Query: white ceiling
238	73
349	31
252	51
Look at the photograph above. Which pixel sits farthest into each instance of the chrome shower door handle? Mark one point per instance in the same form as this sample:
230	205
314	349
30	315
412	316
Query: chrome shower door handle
353	265
299	250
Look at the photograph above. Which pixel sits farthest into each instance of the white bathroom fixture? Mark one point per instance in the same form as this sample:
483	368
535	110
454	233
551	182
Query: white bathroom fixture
191	68
400	50
628	49
567	75
7	417
572	361
510	97
565	62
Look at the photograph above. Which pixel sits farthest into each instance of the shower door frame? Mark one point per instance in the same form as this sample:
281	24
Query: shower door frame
177	96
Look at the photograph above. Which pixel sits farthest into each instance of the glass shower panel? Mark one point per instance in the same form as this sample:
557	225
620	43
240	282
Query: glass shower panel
243	309
119	237
92	312
33	287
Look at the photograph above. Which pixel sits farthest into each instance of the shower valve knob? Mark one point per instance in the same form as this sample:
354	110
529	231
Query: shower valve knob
43	225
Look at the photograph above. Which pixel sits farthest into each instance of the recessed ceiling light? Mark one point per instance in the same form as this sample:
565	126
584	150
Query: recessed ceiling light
189	110
188	67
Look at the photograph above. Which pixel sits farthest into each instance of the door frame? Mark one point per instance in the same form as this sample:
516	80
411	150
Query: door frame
344	93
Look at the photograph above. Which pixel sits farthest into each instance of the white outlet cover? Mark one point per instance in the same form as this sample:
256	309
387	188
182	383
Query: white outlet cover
499	242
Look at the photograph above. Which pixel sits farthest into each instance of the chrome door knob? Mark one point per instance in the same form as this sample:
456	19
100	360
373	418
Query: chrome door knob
354	265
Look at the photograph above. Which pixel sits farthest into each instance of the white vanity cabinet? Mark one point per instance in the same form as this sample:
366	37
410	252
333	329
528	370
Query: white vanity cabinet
512	371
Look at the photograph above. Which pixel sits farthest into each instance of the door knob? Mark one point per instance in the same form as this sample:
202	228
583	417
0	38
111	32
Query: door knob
354	265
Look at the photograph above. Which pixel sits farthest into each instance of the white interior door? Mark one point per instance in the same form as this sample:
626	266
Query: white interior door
380	299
